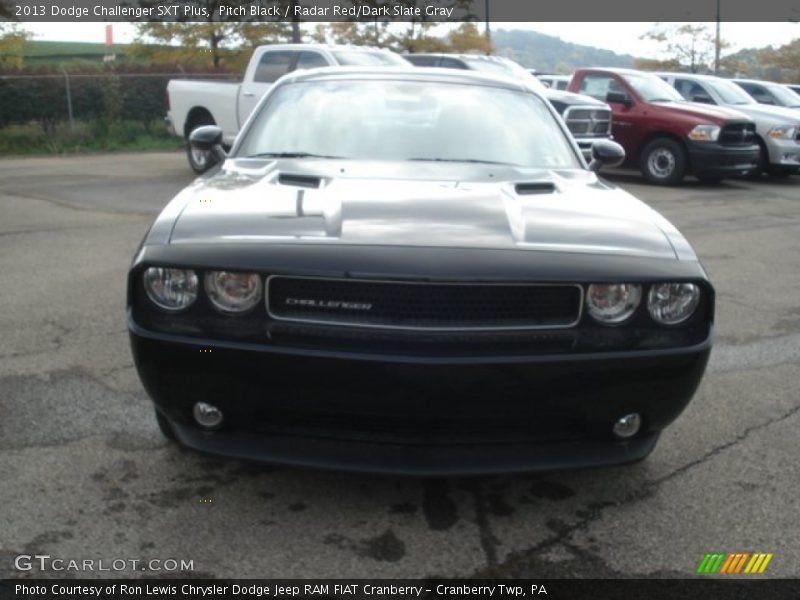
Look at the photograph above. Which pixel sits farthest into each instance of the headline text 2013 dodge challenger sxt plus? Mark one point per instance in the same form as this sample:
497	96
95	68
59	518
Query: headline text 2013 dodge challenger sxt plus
414	271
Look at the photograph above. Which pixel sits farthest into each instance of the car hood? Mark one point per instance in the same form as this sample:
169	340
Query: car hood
572	99
696	109
772	114
415	204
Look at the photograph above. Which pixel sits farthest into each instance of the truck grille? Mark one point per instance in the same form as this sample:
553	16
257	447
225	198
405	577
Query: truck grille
423	305
738	134
588	122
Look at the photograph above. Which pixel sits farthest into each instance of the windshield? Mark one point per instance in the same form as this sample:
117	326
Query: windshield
366	58
408	120
729	92
652	88
784	95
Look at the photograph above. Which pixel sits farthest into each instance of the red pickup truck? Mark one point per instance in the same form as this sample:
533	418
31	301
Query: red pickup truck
665	136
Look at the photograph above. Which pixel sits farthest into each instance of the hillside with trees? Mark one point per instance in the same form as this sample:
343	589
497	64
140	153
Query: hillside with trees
551	54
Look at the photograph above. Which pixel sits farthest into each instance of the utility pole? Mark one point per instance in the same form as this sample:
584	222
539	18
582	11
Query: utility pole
717	42
488	27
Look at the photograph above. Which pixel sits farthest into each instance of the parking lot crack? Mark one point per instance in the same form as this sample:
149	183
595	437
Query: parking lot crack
595	511
488	539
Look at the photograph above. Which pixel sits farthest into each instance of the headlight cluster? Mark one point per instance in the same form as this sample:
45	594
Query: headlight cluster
783	132
672	303
705	133
230	292
171	289
667	303
613	303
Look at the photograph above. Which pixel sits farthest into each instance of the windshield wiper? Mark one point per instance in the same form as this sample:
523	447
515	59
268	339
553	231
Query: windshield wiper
466	160
289	155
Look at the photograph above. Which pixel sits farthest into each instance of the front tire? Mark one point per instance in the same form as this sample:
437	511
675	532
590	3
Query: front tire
165	427
762	164
663	162
199	160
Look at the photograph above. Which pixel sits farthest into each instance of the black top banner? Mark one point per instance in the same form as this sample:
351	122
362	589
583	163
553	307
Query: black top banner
406	589
401	10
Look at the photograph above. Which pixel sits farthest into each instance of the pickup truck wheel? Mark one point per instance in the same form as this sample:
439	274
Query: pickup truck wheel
200	160
663	162
762	165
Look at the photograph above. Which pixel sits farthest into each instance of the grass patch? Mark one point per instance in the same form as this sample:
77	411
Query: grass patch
87	137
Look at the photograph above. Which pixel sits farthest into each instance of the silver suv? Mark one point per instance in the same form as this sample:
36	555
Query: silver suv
777	128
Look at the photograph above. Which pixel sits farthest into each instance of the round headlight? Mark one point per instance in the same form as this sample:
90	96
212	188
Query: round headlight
170	289
672	303
613	303
232	292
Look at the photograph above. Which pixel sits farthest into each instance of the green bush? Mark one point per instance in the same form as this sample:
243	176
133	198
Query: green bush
97	135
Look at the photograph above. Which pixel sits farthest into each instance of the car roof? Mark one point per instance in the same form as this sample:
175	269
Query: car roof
758	81
697	76
318	46
411	73
456	54
618	70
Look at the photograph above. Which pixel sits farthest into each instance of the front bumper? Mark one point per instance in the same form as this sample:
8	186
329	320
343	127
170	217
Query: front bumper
415	416
710	159
783	154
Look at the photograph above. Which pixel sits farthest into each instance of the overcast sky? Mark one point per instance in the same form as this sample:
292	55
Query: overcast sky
622	38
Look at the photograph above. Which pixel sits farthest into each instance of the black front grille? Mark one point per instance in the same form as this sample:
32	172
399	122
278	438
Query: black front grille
738	134
588	122
418	428
394	304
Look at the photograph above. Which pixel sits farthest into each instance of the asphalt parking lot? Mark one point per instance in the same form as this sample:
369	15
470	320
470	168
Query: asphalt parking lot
86	474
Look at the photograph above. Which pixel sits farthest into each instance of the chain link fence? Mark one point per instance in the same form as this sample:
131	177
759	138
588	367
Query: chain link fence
69	97
64	111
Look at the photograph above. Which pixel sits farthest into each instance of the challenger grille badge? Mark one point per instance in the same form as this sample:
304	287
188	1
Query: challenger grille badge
332	304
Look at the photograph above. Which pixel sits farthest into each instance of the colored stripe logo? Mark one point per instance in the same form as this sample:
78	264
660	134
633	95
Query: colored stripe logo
734	563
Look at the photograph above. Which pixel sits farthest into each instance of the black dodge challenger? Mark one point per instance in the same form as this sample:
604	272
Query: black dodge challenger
414	271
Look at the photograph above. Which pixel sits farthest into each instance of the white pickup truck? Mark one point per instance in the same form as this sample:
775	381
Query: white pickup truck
192	103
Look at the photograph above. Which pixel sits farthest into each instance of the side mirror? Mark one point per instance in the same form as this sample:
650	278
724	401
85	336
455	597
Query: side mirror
619	98
208	138
606	153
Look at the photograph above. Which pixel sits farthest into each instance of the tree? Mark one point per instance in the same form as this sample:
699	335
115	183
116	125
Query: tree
204	34
350	32
467	38
184	43
12	42
206	44
691	46
786	58
652	64
418	37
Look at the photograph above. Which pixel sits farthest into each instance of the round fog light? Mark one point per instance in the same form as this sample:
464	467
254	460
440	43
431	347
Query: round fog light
627	426
207	415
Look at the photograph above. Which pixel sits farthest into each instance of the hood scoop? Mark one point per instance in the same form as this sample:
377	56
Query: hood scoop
303	181
532	188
